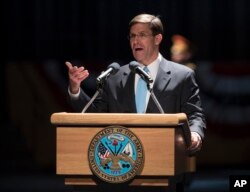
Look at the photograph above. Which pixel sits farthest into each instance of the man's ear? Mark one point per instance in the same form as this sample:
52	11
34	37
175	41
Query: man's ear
158	39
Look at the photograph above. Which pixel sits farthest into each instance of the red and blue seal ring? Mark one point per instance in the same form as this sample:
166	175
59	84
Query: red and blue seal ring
116	154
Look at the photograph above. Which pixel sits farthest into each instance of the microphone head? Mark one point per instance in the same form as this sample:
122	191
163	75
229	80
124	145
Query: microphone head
133	65
115	66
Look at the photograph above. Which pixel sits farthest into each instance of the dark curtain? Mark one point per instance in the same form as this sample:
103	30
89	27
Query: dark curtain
97	29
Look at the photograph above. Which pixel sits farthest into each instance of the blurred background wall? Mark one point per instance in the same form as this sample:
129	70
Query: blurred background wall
40	35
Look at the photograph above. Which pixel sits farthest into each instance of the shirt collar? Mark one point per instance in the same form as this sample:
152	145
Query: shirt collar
154	66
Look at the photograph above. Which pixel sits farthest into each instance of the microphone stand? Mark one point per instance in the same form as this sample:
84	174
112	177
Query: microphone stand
99	87
158	105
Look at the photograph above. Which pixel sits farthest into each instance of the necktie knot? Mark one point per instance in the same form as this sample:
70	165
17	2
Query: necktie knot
146	69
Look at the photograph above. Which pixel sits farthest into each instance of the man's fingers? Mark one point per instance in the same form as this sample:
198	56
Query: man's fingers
74	68
195	146
76	74
69	65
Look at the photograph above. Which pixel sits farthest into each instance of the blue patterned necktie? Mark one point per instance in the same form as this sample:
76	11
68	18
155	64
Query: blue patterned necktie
141	93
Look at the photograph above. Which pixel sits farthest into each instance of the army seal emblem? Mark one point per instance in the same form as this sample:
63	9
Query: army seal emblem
115	154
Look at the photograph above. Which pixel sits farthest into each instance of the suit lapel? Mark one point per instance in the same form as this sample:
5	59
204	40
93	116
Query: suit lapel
127	83
163	77
162	81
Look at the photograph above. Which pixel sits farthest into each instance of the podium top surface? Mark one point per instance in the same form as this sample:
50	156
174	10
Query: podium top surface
64	118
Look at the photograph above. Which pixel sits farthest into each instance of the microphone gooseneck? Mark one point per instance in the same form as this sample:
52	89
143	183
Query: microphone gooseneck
158	105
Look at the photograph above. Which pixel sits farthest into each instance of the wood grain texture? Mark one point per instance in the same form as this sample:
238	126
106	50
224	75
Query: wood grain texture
162	137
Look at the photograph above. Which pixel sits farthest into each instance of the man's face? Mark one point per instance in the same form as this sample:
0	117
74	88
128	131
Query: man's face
144	45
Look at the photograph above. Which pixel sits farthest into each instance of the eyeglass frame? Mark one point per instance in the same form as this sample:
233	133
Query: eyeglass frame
140	36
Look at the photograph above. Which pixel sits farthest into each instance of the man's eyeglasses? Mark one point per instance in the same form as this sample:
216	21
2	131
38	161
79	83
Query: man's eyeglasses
140	36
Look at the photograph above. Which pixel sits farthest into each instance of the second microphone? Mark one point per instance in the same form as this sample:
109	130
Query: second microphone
111	69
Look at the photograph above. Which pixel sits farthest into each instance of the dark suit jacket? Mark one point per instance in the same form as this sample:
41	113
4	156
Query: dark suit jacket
175	88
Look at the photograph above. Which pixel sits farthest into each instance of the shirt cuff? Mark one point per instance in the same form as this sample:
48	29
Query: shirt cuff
72	95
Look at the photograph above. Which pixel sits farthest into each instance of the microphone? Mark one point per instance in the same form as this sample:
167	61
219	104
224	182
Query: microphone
135	67
112	69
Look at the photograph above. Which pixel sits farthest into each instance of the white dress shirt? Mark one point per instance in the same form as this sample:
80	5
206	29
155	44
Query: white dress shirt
153	69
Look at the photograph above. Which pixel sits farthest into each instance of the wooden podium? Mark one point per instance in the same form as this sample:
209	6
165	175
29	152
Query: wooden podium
164	137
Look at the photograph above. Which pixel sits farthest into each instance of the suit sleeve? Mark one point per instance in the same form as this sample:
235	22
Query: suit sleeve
191	104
